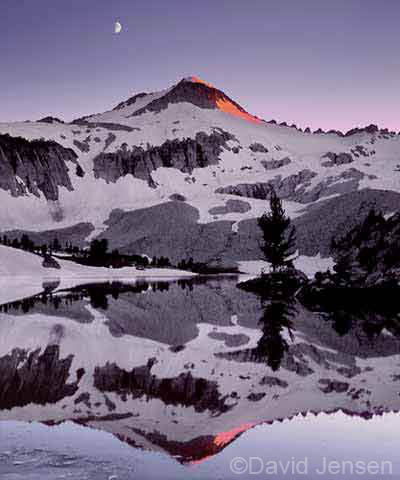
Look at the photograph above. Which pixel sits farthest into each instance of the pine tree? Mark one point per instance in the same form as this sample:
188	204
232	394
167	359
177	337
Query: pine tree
25	242
279	236
56	245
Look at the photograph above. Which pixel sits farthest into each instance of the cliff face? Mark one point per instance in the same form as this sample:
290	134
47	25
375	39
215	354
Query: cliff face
286	188
297	187
35	378
37	166
185	390
184	155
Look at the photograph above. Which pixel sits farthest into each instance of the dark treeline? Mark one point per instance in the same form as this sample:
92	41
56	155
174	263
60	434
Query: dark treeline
26	243
203	268
97	254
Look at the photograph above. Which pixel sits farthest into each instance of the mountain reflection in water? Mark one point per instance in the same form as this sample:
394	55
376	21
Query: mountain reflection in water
185	367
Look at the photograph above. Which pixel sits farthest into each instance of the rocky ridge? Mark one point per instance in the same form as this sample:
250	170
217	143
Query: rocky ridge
36	167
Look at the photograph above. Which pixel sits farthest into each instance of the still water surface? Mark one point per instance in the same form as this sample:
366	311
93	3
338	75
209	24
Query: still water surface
176	379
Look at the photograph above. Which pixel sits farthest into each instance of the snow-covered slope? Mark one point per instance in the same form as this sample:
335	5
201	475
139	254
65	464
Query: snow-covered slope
194	143
22	274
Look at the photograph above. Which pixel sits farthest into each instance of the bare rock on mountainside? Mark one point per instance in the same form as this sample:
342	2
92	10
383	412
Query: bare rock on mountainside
184	155
258	148
285	188
336	159
35	167
35	377
274	164
177	197
231	206
50	119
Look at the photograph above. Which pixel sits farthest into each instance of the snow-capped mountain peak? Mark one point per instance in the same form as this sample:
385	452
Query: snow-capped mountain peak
190	90
199	93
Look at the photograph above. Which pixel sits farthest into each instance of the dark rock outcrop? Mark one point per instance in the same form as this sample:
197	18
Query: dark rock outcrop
35	378
130	101
82	146
329	386
185	389
345	182
255	397
289	188
289	361
41	165
371	129
273	382
185	155
258	148
177	197
50	262
50	120
109	140
106	125
231	206
336	159
230	339
274	164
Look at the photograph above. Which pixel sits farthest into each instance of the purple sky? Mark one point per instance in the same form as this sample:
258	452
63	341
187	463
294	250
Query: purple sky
328	64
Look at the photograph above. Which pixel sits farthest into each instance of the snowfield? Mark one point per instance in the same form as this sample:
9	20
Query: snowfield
93	200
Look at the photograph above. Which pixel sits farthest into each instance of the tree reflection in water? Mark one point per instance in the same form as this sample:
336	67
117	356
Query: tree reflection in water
276	318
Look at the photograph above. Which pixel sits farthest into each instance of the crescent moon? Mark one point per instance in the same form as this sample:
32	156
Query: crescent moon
117	27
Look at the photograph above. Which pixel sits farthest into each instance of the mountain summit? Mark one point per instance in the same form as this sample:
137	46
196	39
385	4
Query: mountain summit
201	94
190	90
